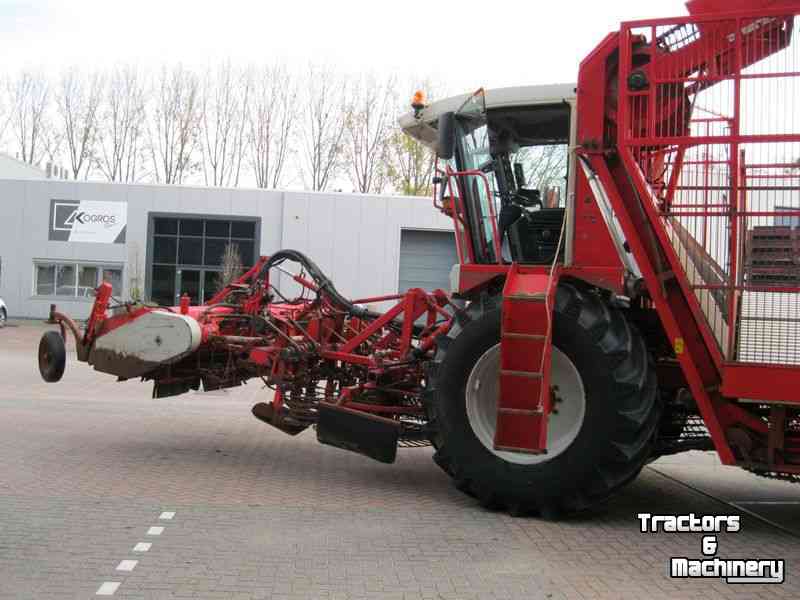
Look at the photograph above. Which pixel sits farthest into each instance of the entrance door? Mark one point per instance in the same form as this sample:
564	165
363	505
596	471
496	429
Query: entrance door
211	284
188	282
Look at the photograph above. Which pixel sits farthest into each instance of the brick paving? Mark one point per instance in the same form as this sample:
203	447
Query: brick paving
88	465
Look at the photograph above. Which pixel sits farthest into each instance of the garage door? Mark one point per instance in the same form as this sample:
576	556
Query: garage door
426	258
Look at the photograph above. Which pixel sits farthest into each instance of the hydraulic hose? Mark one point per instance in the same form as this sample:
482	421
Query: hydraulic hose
324	284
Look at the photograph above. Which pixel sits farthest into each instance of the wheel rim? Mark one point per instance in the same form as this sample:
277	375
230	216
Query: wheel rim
564	424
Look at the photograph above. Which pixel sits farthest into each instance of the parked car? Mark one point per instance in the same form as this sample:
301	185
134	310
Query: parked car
3	314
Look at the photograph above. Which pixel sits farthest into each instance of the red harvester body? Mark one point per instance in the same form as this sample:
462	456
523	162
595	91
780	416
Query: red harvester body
654	310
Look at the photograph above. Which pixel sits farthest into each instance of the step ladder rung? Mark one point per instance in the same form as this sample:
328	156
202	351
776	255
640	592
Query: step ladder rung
524	336
538	297
520	411
527	374
518	450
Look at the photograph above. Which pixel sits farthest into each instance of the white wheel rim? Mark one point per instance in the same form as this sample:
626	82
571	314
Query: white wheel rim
563	425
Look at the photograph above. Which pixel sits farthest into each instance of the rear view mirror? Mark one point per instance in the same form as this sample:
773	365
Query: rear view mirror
446	145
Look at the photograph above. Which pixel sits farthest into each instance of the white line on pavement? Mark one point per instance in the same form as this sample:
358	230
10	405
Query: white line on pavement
766	502
142	547
108	588
155	531
167	515
127	565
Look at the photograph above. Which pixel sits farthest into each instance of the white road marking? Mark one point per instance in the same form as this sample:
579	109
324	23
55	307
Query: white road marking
127	565
767	502
108	588
155	531
167	515
142	547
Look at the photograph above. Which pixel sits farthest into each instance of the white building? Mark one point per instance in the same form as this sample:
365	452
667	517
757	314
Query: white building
59	239
12	168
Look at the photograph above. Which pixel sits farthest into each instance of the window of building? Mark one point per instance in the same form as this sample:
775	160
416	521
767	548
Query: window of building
188	255
74	279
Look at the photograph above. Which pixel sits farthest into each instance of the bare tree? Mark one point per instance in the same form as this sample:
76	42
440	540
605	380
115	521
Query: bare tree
174	124
545	166
29	93
270	122
78	100
410	165
232	267
5	112
368	130
322	129
121	126
225	96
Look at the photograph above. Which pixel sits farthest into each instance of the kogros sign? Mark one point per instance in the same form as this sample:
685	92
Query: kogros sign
88	221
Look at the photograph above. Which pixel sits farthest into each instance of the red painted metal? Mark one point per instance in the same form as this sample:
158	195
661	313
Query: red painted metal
524	405
98	314
693	168
677	127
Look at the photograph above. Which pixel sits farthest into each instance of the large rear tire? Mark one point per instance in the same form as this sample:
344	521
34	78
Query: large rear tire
600	435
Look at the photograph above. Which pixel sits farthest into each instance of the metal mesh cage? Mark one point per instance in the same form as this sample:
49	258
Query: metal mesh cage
708	113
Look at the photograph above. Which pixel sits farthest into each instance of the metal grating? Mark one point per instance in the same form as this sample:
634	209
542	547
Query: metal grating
716	135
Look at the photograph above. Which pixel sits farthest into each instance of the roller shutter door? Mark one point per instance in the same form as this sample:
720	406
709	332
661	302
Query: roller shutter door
426	258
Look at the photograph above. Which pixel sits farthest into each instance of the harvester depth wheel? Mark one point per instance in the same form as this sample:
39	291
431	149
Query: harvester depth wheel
52	356
606	402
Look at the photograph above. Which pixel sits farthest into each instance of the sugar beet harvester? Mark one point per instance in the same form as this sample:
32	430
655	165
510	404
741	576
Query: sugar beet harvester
587	332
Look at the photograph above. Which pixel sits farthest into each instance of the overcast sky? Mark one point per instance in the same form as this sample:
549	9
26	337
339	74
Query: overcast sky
460	43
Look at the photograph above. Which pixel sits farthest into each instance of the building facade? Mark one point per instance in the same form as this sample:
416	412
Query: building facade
60	239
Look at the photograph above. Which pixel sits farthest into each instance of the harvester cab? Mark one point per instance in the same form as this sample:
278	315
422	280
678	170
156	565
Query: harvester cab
627	285
504	163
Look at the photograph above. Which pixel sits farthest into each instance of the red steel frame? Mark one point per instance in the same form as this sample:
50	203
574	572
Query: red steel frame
638	141
313	327
652	124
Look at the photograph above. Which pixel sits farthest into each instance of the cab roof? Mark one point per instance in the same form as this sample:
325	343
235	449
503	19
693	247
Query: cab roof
423	127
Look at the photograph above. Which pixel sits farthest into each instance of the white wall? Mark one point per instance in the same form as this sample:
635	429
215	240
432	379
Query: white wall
11	168
355	239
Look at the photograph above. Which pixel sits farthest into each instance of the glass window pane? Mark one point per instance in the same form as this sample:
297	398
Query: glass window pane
218	228
166	226
214	251
45	280
165	250
190	285
114	277
65	280
163	286
243	229
211	284
191	227
245	252
87	280
190	251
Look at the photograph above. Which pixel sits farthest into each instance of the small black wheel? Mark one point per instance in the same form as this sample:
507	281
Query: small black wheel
3	317
52	356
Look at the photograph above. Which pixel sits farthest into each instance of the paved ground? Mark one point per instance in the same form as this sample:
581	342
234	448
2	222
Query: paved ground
89	466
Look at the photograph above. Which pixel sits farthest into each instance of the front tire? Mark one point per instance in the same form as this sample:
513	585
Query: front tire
598	440
52	357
